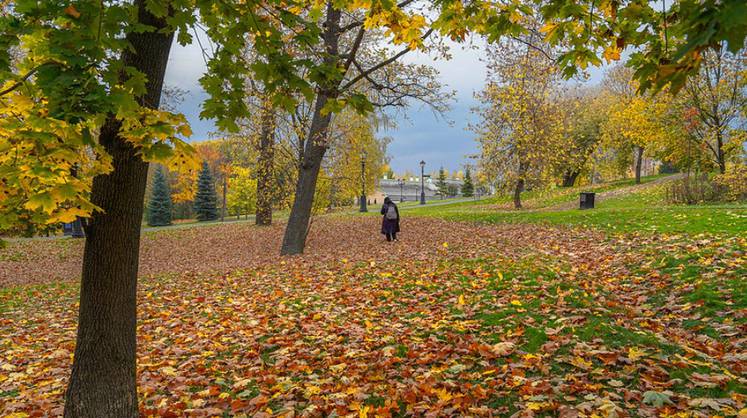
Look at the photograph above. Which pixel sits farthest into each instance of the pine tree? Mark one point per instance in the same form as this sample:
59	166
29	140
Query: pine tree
159	206
443	188
206	207
468	190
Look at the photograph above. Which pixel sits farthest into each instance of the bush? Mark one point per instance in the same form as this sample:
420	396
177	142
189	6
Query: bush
692	189
733	183
700	188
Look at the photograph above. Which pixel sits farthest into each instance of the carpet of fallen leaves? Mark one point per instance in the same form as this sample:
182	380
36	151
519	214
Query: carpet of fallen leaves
455	319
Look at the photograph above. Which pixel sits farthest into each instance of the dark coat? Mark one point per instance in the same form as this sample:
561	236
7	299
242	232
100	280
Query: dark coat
389	226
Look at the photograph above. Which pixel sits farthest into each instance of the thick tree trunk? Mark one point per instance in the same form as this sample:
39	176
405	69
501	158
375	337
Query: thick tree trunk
569	178
517	193
294	240
638	164
102	382
265	166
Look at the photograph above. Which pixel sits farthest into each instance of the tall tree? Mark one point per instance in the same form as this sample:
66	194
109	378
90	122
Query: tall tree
637	124
717	96
205	205
443	188
583	112
634	122
266	166
86	94
521	130
102	381
159	205
468	189
242	192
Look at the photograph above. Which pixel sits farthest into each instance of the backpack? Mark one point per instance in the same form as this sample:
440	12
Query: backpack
391	213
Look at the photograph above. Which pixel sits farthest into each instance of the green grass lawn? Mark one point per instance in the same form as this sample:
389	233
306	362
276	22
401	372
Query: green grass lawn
640	210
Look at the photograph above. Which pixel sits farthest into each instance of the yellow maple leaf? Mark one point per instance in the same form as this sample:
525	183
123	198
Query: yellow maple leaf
634	353
168	371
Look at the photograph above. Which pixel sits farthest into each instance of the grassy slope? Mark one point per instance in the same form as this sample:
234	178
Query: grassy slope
639	209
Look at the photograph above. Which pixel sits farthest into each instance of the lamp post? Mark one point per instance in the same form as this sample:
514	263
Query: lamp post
401	183
422	182
363	182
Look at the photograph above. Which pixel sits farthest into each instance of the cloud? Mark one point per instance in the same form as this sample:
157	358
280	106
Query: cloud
186	66
425	137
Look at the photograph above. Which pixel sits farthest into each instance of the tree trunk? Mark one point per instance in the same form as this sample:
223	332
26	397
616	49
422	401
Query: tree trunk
265	165
517	193
294	240
638	164
569	178
720	149
225	189
102	382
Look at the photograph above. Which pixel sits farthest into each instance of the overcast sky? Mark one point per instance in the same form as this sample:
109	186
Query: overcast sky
421	136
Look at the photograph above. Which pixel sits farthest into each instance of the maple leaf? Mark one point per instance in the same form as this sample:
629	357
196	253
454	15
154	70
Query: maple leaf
657	399
503	348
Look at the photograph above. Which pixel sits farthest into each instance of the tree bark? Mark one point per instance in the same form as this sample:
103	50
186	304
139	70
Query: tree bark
517	193
720	156
569	178
638	163
103	381
266	175
294	240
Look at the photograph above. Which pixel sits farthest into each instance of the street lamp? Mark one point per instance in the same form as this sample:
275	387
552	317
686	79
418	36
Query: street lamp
363	182
401	183
422	182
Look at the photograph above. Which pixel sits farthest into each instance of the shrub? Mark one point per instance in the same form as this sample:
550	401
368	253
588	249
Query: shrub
700	188
733	183
692	189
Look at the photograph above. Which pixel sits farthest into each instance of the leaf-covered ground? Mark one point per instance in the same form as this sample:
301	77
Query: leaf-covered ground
456	319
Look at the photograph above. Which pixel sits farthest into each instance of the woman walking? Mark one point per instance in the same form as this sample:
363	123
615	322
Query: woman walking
390	223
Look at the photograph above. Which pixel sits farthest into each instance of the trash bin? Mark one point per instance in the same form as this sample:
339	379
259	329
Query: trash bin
587	200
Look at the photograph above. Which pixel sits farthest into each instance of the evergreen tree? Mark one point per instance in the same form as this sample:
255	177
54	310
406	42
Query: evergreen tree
468	190
206	207
443	188
159	206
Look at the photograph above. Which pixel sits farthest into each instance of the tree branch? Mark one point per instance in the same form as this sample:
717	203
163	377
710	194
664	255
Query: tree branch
382	64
